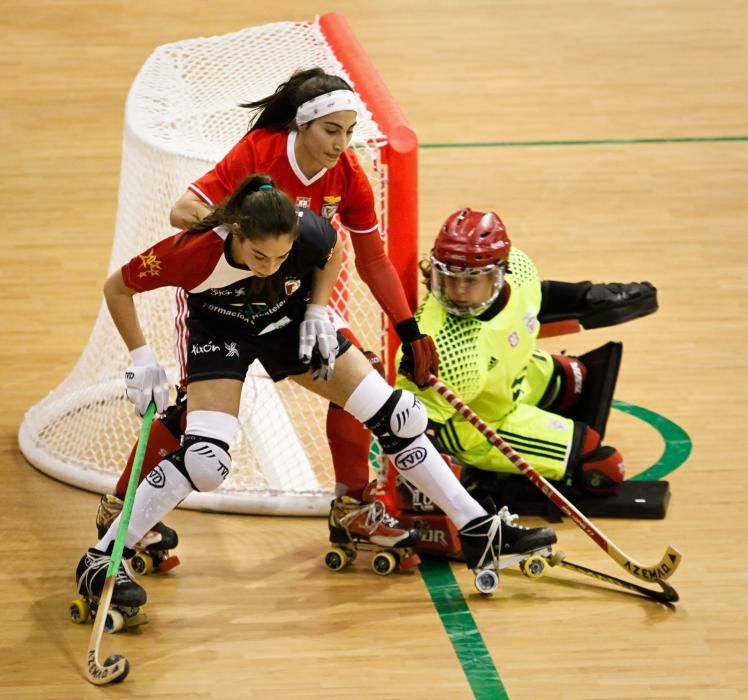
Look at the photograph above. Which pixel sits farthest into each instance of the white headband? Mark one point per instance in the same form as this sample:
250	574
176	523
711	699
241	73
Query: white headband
335	101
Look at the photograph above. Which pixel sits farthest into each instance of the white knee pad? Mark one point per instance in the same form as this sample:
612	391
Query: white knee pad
399	421
206	462
408	418
208	435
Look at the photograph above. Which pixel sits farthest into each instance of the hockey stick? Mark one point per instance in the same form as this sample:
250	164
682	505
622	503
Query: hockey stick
667	595
660	571
116	667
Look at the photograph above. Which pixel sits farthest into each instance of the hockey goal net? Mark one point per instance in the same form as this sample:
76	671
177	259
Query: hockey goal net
181	116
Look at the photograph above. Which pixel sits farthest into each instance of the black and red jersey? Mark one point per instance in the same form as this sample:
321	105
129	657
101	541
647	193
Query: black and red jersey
223	291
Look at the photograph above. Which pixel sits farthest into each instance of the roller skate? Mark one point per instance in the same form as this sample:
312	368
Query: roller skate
493	542
358	526
127	598
152	551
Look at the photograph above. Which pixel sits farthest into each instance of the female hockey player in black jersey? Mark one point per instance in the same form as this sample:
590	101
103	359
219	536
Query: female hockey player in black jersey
258	276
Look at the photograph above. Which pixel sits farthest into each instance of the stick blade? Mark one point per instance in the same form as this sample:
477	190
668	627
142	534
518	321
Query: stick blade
670	562
114	670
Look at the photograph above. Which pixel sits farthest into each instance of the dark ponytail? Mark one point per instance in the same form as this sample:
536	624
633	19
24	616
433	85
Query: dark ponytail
277	112
257	207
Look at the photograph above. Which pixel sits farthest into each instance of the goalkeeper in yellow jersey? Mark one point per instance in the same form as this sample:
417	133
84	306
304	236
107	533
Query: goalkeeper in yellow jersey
483	310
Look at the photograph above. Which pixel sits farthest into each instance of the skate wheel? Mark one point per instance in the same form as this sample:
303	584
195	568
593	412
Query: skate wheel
79	611
142	564
336	559
532	567
557	557
384	563
486	581
115	621
136	619
167	564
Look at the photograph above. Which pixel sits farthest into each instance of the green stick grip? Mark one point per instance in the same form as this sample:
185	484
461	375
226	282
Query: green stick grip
132	487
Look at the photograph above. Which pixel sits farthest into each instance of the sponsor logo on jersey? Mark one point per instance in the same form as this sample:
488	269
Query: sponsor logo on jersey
330	205
227	292
150	265
513	339
303	202
205	348
291	286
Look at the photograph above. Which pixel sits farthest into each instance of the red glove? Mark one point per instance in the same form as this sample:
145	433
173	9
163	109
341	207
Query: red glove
420	358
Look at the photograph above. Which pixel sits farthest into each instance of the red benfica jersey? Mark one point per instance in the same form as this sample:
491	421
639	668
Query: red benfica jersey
343	190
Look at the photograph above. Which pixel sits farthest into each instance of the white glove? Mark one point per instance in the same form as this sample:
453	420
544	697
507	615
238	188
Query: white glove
317	331
146	380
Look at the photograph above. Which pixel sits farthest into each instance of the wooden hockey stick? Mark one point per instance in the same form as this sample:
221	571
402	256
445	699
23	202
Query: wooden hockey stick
667	595
659	572
115	668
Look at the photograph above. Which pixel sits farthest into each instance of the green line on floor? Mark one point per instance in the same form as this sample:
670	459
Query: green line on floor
462	631
588	142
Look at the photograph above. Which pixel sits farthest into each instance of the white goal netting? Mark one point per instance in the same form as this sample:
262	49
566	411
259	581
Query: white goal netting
181	117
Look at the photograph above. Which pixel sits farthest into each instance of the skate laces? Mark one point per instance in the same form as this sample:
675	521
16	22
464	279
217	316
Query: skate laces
390	520
109	509
95	564
493	548
509	518
375	515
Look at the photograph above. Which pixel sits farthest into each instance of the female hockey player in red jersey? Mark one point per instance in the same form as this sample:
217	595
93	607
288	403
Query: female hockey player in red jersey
235	268
299	136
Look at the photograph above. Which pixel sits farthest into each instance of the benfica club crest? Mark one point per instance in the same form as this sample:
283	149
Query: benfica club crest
291	286
330	206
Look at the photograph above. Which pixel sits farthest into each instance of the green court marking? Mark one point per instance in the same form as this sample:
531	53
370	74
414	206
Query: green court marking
462	631
459	624
587	142
677	443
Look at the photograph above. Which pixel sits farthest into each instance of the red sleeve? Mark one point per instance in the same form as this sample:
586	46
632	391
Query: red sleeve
358	214
177	261
379	274
219	183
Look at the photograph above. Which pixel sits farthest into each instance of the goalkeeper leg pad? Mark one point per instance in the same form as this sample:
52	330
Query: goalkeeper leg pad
602	366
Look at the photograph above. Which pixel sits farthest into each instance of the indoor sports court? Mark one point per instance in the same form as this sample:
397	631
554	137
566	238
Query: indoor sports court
612	140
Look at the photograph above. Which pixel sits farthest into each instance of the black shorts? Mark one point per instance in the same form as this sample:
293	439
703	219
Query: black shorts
223	352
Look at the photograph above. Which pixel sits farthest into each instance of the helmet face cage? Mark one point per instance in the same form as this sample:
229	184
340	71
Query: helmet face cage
442	272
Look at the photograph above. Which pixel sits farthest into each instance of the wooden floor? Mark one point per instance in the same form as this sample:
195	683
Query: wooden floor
600	131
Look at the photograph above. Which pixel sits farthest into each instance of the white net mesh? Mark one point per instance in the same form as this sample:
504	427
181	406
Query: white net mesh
181	117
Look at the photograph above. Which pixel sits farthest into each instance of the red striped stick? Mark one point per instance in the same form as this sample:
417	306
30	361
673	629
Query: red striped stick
661	571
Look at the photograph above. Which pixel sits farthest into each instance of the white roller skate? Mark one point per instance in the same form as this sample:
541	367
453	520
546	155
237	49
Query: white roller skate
358	526
127	599
152	551
493	542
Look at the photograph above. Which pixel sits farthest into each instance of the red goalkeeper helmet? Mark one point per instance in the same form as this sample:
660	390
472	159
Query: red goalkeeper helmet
468	262
472	239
